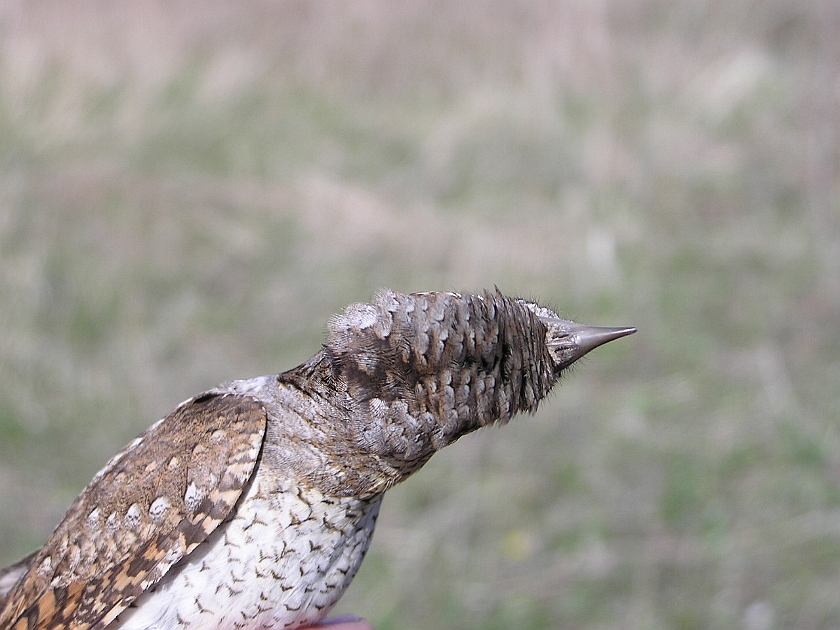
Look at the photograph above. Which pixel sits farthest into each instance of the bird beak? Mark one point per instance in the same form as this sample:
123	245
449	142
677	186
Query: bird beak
568	341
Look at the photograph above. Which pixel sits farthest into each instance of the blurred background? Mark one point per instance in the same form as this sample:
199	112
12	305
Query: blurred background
188	190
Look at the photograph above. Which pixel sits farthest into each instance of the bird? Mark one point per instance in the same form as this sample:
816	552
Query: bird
251	505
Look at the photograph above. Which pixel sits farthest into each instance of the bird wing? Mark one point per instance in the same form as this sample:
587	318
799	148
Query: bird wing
10	575
151	505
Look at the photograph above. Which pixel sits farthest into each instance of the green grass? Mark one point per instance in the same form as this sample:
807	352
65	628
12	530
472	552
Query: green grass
188	193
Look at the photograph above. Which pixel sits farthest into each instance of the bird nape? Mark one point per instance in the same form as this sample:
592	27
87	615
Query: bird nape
252	505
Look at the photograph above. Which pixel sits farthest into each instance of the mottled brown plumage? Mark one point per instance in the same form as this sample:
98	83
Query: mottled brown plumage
252	505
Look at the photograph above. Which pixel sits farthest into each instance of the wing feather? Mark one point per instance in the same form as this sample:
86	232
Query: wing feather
10	575
151	505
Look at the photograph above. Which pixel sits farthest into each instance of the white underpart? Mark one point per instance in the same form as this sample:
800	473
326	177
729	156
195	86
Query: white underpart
282	562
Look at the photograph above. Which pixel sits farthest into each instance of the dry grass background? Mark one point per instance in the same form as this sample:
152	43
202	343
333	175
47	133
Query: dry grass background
189	189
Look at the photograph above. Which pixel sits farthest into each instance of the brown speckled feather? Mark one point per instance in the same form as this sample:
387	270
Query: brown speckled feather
10	575
113	543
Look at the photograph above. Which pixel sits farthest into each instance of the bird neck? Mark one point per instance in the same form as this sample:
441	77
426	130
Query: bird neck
410	374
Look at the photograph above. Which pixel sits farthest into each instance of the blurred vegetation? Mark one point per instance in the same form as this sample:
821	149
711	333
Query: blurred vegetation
189	189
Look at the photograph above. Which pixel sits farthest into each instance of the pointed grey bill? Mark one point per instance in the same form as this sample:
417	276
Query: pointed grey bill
568	341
